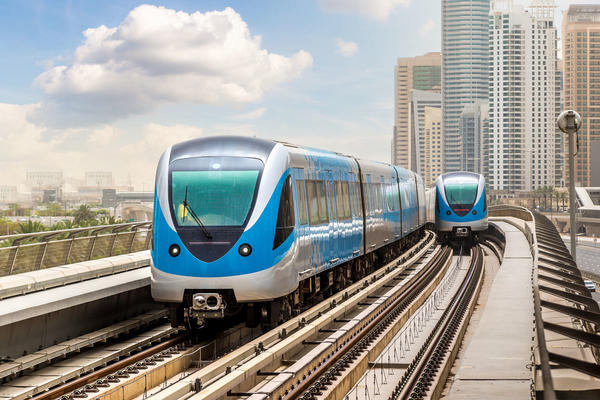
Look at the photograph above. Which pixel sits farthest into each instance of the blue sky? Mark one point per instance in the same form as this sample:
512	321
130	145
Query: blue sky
322	76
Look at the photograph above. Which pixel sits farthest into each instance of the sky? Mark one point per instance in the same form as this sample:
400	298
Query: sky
108	86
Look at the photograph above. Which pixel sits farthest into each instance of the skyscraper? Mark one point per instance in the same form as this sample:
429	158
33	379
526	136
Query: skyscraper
432	144
523	101
465	73
419	100
422	73
470	128
581	79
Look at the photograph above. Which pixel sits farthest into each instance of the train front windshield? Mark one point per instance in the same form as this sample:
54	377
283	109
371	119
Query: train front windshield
461	194
218	192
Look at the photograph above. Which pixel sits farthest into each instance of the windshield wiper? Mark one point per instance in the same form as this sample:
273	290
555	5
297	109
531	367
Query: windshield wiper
194	216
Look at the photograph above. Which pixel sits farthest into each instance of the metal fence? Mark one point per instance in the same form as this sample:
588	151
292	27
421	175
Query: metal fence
33	251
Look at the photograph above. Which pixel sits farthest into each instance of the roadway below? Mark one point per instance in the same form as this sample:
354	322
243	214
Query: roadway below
588	258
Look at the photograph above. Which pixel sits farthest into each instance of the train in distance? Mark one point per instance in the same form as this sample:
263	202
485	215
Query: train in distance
259	229
460	206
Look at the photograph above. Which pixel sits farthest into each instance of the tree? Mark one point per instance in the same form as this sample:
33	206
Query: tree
31	227
52	209
84	216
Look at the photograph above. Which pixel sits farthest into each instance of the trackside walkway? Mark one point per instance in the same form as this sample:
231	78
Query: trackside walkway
496	361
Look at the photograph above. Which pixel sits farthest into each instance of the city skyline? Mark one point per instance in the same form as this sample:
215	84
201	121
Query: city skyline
58	115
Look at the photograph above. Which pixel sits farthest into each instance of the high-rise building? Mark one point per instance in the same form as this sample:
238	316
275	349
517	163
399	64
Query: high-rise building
432	144
422	73
470	127
523	101
581	79
44	179
419	100
99	179
8	194
465	74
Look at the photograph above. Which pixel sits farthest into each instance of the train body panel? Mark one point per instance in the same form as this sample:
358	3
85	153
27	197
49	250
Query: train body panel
254	218
408	200
460	204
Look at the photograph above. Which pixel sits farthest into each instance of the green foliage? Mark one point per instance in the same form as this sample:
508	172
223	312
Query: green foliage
84	216
31	227
52	209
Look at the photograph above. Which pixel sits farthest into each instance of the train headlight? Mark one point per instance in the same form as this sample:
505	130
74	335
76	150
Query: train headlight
174	250
245	250
474	212
448	212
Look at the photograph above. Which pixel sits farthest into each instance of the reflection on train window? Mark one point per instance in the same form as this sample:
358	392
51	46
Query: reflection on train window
317	202
339	200
346	200
313	203
300	193
217	198
285	214
322	201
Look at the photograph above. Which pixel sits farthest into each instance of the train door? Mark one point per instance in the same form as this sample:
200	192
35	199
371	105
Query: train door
333	219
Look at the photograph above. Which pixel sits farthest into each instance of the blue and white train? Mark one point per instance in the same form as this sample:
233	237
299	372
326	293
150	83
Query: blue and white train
250	224
460	206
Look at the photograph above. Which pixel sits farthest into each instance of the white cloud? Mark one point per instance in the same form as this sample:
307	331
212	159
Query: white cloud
374	9
158	55
347	49
254	114
426	27
25	145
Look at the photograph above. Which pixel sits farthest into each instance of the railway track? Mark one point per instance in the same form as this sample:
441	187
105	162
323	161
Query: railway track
309	338
172	359
426	375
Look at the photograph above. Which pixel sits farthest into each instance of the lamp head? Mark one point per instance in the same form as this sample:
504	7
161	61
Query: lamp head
569	121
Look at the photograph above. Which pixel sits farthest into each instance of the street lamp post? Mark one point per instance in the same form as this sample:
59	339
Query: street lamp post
569	122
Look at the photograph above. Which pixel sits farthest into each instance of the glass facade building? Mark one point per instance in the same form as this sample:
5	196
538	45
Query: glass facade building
465	72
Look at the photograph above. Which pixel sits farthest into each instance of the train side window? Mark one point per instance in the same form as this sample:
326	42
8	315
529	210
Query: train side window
300	192
313	202
322	200
285	215
368	190
346	200
358	199
339	200
331	200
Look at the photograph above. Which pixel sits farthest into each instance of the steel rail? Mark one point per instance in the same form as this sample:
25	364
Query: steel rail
422	371
405	296
225	374
117	366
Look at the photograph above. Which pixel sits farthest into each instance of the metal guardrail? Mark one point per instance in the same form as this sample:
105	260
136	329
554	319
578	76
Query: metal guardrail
510	211
558	288
33	251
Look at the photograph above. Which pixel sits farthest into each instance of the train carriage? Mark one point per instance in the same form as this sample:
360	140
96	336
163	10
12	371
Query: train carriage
249	223
460	206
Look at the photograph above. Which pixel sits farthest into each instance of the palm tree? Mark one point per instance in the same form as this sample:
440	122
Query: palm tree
84	216
563	197
31	227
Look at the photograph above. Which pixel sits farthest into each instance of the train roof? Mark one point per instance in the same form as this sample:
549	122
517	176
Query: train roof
464	176
253	147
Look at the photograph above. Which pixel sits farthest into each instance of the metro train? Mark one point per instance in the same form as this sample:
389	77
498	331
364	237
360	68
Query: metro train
262	227
460	206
